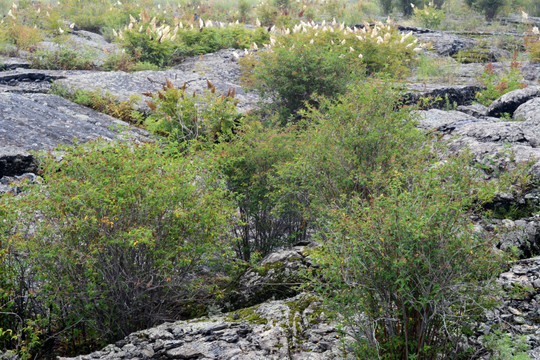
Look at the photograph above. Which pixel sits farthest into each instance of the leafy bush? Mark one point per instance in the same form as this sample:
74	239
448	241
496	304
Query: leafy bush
182	117
400	262
15	313
405	268
102	102
429	16
386	6
62	58
362	135
16	36
125	62
148	47
249	164
534	52
311	61
128	237
165	45
498	84
506	347
100	16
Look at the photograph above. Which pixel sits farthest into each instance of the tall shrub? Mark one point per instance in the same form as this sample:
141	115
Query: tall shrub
324	61
405	268
127	237
249	163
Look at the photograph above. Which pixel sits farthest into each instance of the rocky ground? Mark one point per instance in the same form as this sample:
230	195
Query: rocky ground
282	329
267	318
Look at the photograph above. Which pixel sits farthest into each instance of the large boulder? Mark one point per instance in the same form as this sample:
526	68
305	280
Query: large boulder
509	102
529	111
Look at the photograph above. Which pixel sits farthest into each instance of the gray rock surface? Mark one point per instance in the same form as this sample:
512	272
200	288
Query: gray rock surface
13	184
498	145
476	110
443	121
288	329
470	73
443	43
521	235
520	309
85	43
529	111
41	122
220	68
509	102
12	63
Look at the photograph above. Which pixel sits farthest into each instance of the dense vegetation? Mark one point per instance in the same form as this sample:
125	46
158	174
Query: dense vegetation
121	237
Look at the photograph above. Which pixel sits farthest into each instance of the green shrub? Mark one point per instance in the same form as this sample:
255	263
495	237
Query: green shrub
243	9
127	237
490	8
362	135
182	117
504	346
400	262
429	16
103	102
498	84
62	58
165	45
125	62
249	163
148	47
534	52
386	6
16	36
405	269
324	62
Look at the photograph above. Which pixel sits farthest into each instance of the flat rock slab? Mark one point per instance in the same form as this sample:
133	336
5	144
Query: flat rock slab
445	44
497	144
88	44
220	68
41	122
12	63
